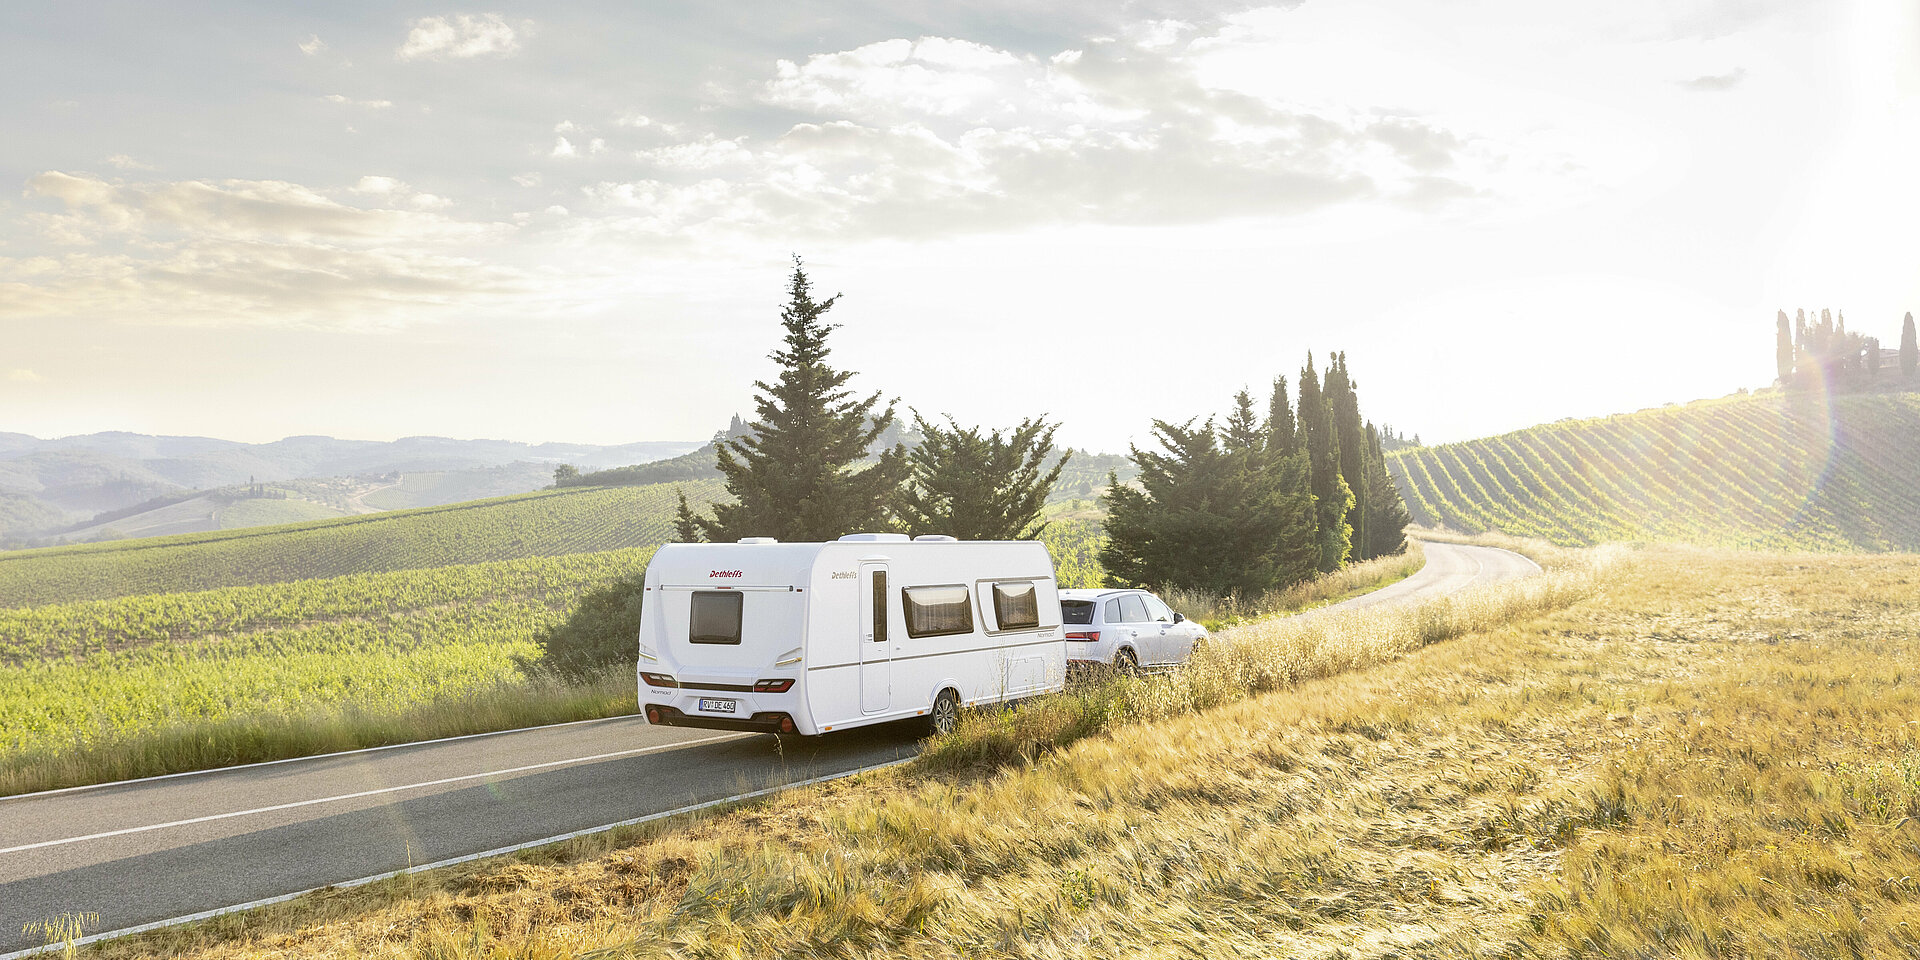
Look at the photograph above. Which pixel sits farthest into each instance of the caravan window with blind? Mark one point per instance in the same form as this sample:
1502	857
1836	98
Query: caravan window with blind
1016	606
937	611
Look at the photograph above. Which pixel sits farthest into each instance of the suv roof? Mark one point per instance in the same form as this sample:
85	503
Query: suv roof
1089	593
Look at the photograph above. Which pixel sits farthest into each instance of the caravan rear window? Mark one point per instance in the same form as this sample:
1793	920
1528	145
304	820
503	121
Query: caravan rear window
1016	606
716	617
937	611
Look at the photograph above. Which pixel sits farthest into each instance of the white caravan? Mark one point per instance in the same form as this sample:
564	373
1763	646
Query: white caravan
814	637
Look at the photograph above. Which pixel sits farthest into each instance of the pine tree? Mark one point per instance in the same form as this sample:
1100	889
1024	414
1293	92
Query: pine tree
793	476
1783	351
1228	519
979	487
1909	349
1332	497
1244	430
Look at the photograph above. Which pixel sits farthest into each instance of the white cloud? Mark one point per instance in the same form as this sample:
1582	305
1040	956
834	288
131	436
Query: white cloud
365	104
379	186
244	251
23	375
527	179
1716	83
562	148
459	37
313	46
126	162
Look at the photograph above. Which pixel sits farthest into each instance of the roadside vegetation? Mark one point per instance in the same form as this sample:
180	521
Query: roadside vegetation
1665	751
1781	472
112	689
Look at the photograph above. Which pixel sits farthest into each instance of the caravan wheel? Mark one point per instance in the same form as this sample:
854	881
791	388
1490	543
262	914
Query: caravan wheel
945	714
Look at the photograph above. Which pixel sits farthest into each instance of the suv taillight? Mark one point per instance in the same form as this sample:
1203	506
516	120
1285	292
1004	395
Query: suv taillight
1091	636
773	686
659	680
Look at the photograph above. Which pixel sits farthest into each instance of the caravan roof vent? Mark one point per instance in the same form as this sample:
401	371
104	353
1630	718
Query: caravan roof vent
934	538
758	540
874	538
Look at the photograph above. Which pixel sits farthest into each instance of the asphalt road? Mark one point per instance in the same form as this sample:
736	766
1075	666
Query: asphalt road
150	850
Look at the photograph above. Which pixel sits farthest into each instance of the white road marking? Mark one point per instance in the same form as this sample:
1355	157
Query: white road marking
501	851
353	796
314	756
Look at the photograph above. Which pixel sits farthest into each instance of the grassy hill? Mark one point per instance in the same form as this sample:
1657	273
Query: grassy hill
1762	471
548	523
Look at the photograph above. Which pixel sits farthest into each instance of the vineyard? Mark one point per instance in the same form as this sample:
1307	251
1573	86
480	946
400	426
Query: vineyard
1756	472
544	524
99	675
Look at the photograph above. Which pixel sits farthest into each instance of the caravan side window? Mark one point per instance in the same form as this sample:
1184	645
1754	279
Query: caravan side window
1016	606
716	617
937	611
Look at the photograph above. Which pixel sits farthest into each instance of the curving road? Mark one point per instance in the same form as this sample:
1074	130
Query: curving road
149	850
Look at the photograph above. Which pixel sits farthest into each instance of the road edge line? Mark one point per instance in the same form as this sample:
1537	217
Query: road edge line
454	861
316	756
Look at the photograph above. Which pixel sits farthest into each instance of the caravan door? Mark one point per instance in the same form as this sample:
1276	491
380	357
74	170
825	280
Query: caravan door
876	650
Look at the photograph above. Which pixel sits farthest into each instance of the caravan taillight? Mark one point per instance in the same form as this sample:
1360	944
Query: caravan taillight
659	680
1090	636
773	686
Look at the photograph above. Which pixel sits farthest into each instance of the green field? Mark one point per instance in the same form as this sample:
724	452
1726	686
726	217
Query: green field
544	524
1767	472
149	684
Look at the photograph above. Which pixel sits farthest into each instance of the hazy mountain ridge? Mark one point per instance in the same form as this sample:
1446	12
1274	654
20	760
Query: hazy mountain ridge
47	485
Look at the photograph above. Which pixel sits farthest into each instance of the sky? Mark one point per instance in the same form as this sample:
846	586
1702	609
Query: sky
575	221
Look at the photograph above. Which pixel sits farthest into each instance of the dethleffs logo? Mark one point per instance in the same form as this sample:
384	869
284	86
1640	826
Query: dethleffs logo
726	573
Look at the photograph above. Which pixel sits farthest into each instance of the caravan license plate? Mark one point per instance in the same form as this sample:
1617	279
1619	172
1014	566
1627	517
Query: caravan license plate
718	706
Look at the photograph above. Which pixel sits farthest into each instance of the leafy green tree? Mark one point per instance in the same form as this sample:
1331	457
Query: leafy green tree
1783	350
1909	349
799	475
976	486
566	475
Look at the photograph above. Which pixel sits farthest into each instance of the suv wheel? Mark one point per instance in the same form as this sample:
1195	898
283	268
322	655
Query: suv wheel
1126	663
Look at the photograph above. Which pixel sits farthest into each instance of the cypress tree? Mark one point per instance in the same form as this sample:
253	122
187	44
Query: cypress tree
1244	431
792	475
979	487
1387	515
686	526
1350	433
1909	349
1282	432
1783	351
1321	445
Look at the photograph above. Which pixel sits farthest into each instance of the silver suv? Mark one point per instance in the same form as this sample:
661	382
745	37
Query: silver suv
1126	630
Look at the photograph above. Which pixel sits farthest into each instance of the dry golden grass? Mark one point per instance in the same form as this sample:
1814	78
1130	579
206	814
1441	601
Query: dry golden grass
1680	753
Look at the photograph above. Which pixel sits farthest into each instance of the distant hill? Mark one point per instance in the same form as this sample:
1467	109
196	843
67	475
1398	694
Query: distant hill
51	488
1768	471
548	523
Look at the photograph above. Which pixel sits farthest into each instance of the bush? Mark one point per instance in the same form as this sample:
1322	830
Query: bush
603	631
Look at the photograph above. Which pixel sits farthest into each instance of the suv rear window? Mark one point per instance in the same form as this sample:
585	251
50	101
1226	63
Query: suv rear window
716	617
1076	611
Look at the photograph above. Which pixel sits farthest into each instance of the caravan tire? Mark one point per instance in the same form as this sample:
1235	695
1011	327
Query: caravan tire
945	715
